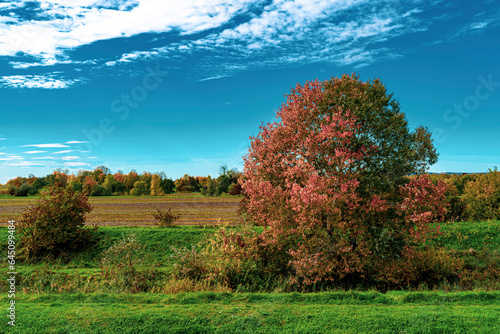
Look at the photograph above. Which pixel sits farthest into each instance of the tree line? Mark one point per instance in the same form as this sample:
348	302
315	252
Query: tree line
102	182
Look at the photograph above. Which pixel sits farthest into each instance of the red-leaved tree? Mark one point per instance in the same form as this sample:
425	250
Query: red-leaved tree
329	183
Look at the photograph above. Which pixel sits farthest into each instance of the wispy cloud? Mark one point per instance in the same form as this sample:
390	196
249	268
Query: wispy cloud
64	25
25	164
43	158
213	78
64	151
70	158
57	145
36	81
9	157
35	152
238	34
76	142
479	25
76	164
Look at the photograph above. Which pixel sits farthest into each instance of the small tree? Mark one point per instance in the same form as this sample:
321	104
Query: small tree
156	189
167	185
328	182
166	218
140	188
55	224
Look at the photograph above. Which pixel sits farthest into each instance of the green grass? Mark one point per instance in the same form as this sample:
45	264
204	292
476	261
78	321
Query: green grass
341	312
470	234
460	236
157	250
207	312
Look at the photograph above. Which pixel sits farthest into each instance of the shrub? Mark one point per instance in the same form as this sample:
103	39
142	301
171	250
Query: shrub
166	218
55	225
119	266
181	285
239	259
190	264
429	268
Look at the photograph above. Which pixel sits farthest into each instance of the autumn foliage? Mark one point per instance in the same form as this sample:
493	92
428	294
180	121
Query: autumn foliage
482	196
328	183
55	225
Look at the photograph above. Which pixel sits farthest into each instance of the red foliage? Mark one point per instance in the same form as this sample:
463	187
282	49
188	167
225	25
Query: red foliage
119	177
302	184
88	184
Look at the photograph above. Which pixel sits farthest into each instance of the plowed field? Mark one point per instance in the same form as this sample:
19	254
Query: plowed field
194	208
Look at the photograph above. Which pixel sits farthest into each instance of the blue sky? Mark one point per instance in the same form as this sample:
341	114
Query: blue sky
179	86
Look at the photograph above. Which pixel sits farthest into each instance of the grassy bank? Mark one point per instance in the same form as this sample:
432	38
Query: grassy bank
340	312
474	243
52	307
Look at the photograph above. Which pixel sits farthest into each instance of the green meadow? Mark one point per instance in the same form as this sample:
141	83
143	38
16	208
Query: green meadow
204	312
70	296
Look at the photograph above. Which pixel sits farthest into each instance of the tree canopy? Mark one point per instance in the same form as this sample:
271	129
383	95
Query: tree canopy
329	181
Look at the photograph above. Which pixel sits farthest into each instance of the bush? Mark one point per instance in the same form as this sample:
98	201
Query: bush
238	259
55	225
118	266
166	218
191	264
429	268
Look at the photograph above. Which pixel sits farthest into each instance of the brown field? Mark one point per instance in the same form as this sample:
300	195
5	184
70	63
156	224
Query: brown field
194	208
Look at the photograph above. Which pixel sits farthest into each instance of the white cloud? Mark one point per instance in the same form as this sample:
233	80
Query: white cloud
66	25
64	151
411	12
10	157
48	62
479	25
25	164
70	158
213	78
301	31
76	142
76	164
36	81
43	158
280	32
46	145
35	152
